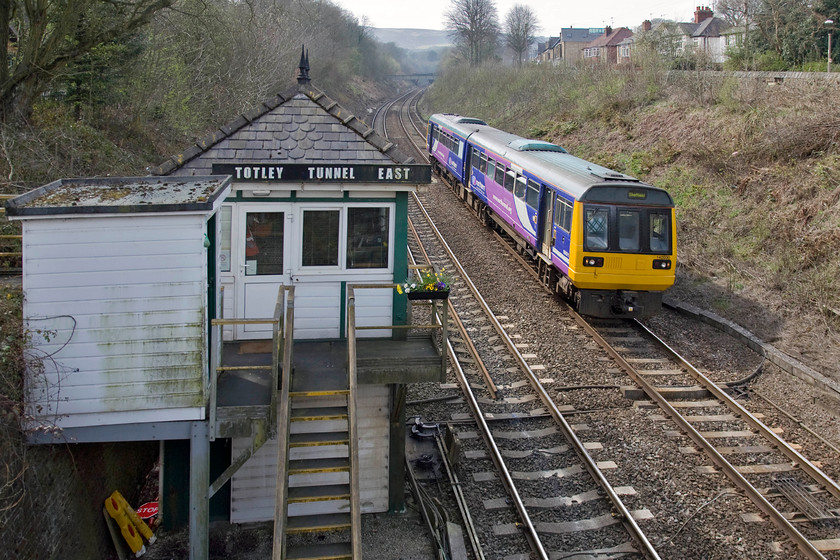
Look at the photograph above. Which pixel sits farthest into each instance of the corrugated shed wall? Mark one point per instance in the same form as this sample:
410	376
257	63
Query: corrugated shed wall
117	311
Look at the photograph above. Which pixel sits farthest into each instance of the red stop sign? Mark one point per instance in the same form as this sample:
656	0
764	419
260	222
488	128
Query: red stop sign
147	510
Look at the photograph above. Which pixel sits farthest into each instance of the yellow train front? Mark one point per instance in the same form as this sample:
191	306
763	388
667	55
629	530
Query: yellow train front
622	251
605	240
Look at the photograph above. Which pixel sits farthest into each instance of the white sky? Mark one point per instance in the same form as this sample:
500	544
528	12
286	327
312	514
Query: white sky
551	14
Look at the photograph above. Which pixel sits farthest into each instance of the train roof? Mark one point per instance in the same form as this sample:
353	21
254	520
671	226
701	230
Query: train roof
549	162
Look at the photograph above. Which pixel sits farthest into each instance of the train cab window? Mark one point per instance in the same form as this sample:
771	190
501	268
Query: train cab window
510	179
320	237
563	215
596	232
660	233
520	187
491	168
532	197
482	165
628	230
367	237
500	173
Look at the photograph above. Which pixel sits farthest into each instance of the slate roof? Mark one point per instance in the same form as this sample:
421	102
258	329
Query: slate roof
577	35
302	125
612	39
710	27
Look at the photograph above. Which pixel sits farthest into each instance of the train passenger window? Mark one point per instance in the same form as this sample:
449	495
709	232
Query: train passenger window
520	187
491	168
320	237
532	198
510	179
476	156
563	215
482	165
367	237
628	230
500	173
596	228
436	134
660	233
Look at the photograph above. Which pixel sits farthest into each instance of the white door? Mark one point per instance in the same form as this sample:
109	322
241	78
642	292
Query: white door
264	233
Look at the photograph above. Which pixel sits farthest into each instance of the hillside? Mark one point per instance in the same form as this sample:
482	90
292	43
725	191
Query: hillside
754	168
413	39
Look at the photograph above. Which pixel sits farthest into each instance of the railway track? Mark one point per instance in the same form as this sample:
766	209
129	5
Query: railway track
803	507
536	477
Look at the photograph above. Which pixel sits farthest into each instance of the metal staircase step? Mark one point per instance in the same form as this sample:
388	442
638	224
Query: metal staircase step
321	393
311	466
320	438
318	523
315	414
332	551
324	493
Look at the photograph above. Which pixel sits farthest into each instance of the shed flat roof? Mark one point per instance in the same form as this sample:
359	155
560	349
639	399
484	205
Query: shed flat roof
121	195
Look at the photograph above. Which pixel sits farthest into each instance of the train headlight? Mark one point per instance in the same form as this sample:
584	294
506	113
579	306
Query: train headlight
593	261
662	264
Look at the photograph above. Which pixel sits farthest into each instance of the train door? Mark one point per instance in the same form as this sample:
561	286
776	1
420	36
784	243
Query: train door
547	222
264	264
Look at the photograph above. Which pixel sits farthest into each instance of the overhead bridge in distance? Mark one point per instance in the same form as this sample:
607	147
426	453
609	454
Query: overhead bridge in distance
416	79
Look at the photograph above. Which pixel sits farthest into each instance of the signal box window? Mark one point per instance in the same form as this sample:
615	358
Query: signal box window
628	230
660	233
320	237
596	228
264	243
367	237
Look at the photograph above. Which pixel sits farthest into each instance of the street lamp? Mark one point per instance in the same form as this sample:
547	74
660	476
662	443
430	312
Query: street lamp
829	23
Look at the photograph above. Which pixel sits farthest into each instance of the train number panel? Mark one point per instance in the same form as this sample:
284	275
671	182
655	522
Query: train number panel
610	239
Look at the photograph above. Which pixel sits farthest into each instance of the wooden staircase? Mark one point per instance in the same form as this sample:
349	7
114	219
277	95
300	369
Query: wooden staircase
315	496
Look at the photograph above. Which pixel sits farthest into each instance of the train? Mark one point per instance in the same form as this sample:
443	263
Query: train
604	240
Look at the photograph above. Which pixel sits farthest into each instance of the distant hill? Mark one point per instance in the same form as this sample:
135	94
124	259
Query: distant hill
413	39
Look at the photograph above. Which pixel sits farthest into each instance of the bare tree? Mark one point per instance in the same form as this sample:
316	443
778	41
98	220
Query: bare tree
521	26
48	35
474	25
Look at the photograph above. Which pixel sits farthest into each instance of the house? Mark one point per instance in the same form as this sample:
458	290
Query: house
547	51
574	40
706	34
604	49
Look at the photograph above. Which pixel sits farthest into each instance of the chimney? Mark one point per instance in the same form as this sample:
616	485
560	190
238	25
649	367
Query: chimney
607	31
303	68
702	13
646	25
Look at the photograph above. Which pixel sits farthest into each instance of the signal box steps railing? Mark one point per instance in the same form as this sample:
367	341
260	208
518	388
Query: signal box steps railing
11	241
259	421
318	488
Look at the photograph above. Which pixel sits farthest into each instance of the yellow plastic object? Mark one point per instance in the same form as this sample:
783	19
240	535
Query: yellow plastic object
133	528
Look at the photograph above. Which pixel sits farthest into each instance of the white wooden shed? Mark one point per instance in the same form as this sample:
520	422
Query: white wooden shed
117	282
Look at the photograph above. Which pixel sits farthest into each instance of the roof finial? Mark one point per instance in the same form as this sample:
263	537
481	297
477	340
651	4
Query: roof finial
303	66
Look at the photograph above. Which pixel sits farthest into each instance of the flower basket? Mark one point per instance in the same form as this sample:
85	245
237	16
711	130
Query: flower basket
429	285
439	294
